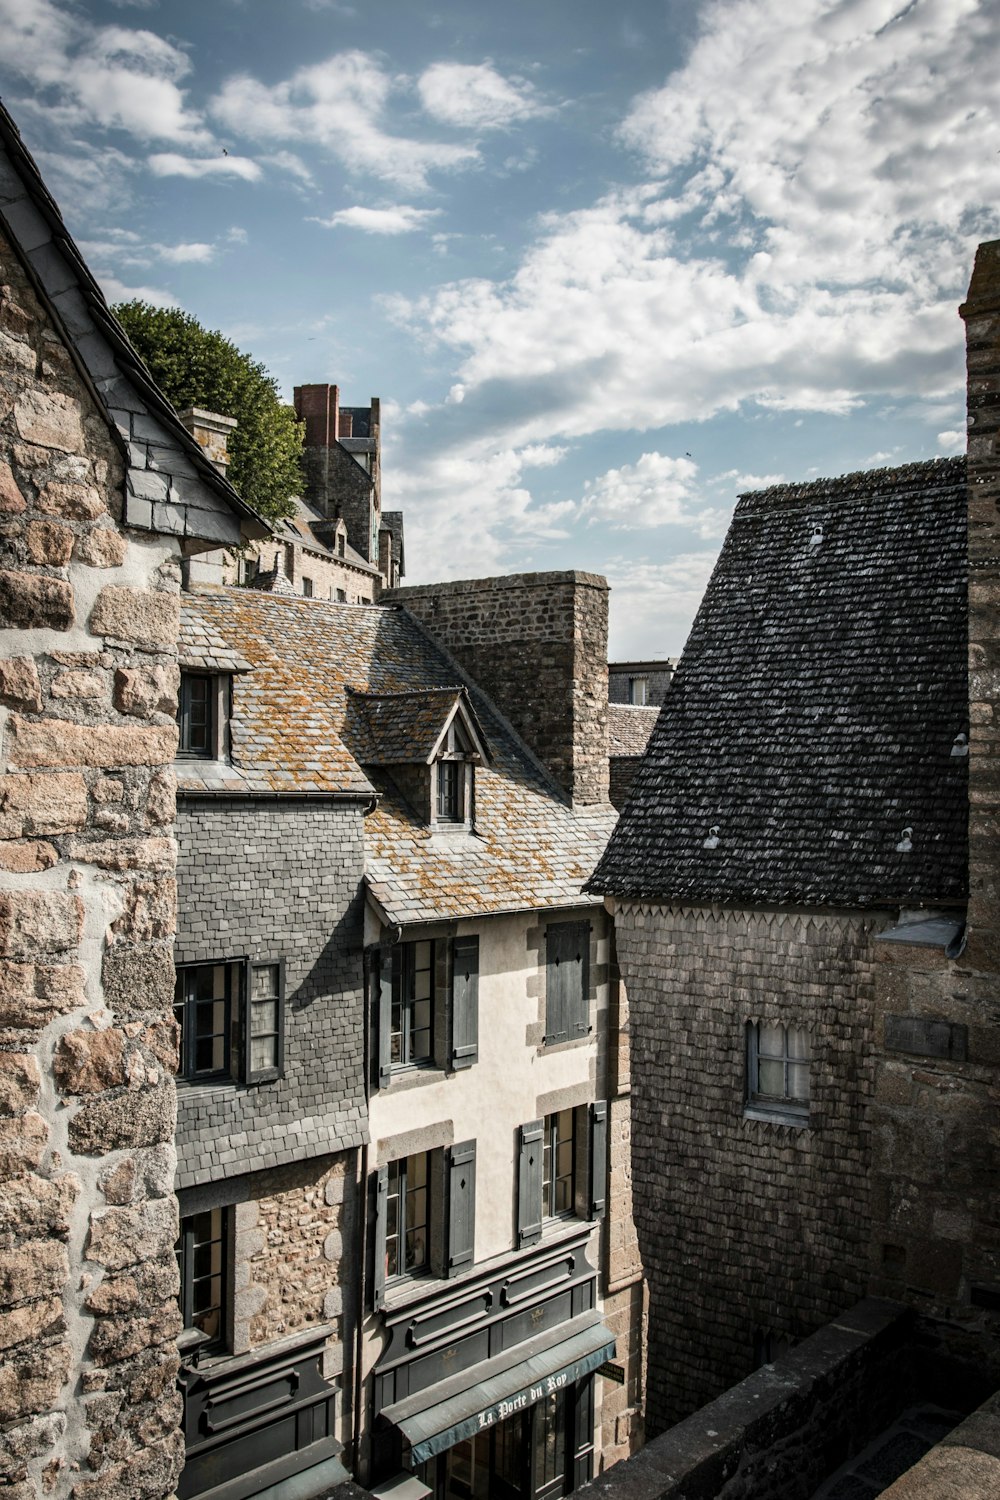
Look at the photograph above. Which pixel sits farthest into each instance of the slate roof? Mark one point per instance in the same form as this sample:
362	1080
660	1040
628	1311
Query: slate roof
290	733
309	524
804	753
629	728
386	729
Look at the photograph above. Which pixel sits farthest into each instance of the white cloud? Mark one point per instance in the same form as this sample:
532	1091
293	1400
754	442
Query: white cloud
172	164
118	291
476	97
653	603
337	104
290	165
655	491
179	255
833	177
951	442
398	220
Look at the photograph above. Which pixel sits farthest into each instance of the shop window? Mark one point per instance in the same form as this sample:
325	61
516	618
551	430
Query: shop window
425	1216
562	1169
231	1019
425	1000
567	981
777	1071
203	1261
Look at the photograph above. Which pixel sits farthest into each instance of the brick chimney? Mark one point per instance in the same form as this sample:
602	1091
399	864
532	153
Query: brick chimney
211	432
318	406
538	644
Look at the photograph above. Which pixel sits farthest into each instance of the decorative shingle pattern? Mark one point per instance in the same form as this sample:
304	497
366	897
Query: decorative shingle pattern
387	729
629	728
808	752
530	848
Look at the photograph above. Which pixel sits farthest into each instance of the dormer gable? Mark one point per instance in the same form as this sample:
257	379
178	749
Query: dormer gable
431	739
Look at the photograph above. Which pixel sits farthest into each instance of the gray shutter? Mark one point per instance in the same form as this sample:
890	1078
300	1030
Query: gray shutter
598	1186
556	982
461	1207
382	985
465	1002
378	1270
529	1183
567	981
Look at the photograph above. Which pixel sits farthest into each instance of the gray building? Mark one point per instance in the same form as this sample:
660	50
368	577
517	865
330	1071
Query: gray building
643	684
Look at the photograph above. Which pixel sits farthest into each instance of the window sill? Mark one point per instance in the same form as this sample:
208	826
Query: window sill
573	1041
413	1075
797	1119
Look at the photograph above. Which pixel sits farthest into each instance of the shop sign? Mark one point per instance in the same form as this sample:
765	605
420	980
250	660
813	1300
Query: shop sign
504	1409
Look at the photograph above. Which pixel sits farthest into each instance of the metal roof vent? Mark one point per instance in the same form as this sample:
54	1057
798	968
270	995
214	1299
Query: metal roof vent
906	842
960	745
712	842
817	534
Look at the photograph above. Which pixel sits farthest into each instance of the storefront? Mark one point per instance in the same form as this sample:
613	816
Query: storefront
486	1389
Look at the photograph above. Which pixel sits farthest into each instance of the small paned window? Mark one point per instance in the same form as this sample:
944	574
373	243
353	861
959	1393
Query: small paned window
450	802
231	1019
202	1259
407	1231
196	715
412	1024
559	1165
307	588
778	1069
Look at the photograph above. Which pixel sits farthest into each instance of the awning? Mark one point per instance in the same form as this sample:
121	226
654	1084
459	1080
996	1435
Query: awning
453	1409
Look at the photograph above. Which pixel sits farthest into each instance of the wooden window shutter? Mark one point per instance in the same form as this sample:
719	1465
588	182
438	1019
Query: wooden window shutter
378	1270
461	1206
465	1002
567	981
529	1183
382	990
598	1186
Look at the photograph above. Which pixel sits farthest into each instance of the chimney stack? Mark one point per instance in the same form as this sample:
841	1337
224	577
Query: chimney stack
211	432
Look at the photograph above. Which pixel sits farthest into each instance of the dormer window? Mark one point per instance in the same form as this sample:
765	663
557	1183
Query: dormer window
203	715
454	772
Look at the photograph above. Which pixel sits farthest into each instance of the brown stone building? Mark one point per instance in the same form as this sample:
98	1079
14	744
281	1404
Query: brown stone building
808	935
102	496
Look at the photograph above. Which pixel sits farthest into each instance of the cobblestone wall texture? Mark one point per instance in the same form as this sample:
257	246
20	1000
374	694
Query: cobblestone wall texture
743	1225
279	879
537	643
88	1219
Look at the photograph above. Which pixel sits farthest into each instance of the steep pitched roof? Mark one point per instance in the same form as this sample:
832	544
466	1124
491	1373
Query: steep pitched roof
804	754
290	733
171	486
386	729
629	728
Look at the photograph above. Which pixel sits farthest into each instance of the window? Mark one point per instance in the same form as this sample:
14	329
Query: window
558	1164
425	1215
777	1070
562	1168
425	1003
203	1261
341	596
196	716
638	691
307	588
231	1019
453	802
567	981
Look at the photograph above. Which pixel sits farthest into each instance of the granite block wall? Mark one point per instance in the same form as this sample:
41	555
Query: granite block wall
745	1227
88	681
269	879
537	643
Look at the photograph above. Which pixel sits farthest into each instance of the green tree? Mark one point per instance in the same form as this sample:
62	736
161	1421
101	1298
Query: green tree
195	367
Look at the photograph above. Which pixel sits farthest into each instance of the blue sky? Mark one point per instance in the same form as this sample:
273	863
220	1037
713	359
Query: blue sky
606	266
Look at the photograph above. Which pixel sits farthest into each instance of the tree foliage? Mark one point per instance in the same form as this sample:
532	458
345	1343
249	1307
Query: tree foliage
196	367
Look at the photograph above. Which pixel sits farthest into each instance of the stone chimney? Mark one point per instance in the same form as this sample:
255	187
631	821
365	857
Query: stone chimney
538	644
211	432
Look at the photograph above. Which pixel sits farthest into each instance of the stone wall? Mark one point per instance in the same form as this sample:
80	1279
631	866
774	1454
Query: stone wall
537	643
88	681
336	483
271	879
327	574
746	1227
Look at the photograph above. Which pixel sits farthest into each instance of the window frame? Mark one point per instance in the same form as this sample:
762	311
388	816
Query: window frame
237	1028
189	680
403	972
185	1248
553	1140
784	1108
638	691
403	1195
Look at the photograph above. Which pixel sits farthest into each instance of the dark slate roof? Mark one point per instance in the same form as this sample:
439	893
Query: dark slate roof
310	526
393	729
629	728
814	713
171	485
290	734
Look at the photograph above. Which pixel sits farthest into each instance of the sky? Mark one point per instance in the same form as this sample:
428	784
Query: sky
606	266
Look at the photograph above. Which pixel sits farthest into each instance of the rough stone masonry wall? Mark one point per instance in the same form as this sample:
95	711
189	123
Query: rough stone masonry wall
743	1225
537	643
88	684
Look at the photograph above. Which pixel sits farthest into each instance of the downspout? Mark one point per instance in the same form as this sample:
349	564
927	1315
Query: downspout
362	1212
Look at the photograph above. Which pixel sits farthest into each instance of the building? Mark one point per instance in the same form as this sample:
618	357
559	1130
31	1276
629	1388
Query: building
643	684
629	729
104	496
351	793
793	845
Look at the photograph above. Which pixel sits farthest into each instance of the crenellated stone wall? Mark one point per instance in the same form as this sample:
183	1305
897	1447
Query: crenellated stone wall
88	681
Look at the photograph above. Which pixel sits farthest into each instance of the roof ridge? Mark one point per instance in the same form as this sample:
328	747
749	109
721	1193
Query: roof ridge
842	487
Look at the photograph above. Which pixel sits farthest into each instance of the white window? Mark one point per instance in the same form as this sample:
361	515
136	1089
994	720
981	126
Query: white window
638	691
778	1071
